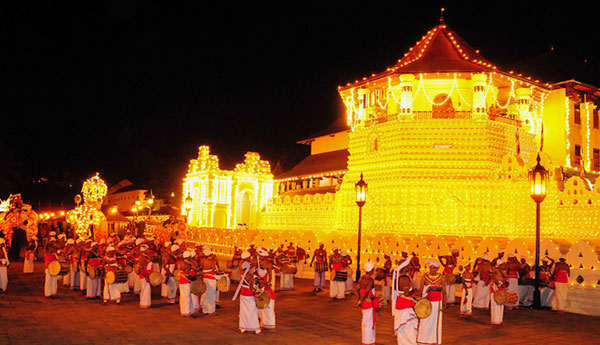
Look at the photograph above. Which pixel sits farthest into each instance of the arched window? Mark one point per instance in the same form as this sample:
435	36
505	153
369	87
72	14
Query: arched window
444	110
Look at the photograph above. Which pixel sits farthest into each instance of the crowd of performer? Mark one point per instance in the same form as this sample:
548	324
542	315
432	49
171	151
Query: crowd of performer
190	274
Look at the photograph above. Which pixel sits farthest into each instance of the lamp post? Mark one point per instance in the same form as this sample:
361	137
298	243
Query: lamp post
150	203
538	178
361	195
188	207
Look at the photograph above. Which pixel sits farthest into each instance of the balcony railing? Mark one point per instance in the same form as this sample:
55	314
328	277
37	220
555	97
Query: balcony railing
428	115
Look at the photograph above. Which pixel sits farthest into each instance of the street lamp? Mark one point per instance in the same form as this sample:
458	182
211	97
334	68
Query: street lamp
134	210
188	207
538	179
361	196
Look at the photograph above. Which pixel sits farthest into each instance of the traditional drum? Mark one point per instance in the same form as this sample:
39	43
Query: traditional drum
119	276
422	308
500	296
450	278
58	268
512	297
340	276
223	283
458	279
321	266
288	269
293	259
177	275
128	269
379	274
155	278
263	299
197	287
95	272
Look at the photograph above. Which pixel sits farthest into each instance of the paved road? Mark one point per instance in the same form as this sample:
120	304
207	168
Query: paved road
26	317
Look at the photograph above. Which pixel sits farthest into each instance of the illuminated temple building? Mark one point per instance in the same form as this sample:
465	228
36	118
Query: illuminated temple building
445	140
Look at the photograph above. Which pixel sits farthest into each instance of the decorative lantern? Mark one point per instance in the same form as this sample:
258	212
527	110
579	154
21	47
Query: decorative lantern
538	179
188	203
361	191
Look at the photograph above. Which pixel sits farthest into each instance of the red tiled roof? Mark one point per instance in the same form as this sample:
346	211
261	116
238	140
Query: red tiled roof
316	164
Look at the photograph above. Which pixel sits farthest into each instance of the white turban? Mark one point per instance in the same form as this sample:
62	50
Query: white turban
187	254
344	253
144	247
454	251
174	247
263	252
71	241
511	255
245	255
501	251
206	250
499	262
168	243
485	257
432	263
110	248
139	241
369	266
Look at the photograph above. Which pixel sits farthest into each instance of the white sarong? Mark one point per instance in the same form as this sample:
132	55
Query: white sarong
267	315
82	281
466	301
405	326
496	311
450	293
430	328
481	295
185	300
28	263
248	314
145	294
367	327
287	281
112	292
337	289
3	278
560	296
208	299
51	284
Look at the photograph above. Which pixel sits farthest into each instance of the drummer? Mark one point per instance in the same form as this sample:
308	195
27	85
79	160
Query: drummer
346	262
51	284
236	274
29	255
498	282
184	265
146	268
433	288
450	262
209	267
512	266
112	292
320	256
263	273
248	315
287	278
169	273
93	260
337	285
405	319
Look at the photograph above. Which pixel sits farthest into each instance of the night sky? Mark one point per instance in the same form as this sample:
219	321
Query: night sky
131	90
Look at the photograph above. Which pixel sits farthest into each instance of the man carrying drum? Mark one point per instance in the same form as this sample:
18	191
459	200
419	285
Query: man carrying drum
368	303
346	262
51	284
112	292
498	283
236	274
337	285
405	320
146	268
512	266
450	262
168	270
320	256
481	295
287	278
94	261
187	274
433	288
248	315
28	263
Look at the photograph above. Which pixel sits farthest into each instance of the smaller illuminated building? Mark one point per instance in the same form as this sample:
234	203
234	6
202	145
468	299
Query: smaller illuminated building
226	198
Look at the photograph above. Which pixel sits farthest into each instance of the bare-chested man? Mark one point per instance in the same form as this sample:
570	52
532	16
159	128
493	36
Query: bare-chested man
450	262
498	282
434	289
403	292
466	300
561	274
209	268
366	299
320	256
337	285
481	295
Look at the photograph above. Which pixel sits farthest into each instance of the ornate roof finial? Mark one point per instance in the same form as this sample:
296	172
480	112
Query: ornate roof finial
442	21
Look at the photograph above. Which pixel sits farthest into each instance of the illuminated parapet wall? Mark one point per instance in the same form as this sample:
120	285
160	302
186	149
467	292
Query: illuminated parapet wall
226	199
